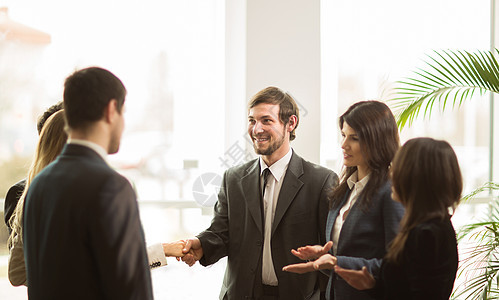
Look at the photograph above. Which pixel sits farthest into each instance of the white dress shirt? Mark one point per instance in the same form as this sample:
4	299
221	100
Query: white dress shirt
97	148
274	183
356	187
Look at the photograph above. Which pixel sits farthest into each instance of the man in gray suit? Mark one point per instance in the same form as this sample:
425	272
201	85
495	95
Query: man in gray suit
83	238
265	208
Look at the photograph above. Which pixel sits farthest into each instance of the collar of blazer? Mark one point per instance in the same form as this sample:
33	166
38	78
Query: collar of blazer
81	151
290	187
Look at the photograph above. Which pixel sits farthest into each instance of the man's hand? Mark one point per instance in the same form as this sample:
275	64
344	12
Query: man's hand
312	252
192	251
326	261
361	280
174	248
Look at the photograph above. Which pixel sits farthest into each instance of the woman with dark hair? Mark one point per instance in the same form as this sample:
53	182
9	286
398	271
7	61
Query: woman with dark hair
363	219
422	260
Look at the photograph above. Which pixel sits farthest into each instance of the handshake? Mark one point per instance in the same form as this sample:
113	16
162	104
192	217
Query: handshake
189	251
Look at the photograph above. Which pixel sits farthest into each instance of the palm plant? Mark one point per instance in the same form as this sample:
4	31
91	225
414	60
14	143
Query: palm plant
480	267
449	79
451	76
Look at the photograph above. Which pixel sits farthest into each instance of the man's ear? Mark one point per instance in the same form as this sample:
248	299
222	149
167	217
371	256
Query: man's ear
111	110
293	120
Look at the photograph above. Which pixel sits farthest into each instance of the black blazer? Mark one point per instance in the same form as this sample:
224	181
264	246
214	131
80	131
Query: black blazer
364	239
11	199
82	234
236	229
429	264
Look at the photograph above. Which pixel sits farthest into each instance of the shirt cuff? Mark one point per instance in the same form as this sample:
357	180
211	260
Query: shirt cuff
156	256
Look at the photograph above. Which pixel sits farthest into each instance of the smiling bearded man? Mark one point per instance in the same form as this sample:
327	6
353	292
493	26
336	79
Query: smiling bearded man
265	208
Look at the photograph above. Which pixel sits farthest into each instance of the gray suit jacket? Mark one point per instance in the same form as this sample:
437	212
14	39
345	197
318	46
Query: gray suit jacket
236	230
364	239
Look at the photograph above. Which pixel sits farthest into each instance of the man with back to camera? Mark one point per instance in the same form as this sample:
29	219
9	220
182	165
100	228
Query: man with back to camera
265	208
82	232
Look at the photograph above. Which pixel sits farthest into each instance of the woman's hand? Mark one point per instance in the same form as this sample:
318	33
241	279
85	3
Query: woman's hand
312	252
361	279
326	261
174	248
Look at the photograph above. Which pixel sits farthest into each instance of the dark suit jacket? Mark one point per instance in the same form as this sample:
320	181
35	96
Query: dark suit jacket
82	234
364	239
11	199
236	230
429	264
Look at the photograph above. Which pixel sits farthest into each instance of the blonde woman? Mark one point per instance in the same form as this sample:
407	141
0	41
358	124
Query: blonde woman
52	140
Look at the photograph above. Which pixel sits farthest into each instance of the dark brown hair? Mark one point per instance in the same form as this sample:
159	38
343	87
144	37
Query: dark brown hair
50	111
287	105
427	181
87	92
378	135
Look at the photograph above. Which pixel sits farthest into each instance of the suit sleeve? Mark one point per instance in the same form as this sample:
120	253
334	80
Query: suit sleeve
391	213
329	184
117	242
156	256
17	266
215	239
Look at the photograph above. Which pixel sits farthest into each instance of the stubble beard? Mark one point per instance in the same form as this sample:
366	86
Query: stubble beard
273	146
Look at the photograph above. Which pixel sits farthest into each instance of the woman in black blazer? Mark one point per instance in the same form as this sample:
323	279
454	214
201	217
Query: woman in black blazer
363	218
422	260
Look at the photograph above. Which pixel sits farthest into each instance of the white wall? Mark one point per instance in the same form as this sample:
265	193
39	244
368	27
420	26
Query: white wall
282	48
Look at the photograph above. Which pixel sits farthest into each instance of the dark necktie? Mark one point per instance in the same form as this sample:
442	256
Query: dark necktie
266	173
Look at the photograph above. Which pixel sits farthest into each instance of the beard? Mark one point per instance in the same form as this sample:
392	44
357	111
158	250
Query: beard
272	147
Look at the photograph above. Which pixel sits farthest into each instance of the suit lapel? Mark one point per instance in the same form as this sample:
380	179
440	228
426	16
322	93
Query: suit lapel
251	187
290	187
349	217
331	217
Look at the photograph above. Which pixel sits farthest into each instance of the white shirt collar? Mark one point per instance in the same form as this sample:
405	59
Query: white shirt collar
353	180
279	167
97	148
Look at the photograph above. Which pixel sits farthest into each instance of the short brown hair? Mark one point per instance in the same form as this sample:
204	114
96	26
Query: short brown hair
87	92
287	105
49	112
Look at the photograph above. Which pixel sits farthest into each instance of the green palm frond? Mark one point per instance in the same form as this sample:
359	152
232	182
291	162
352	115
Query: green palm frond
480	268
449	78
485	187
